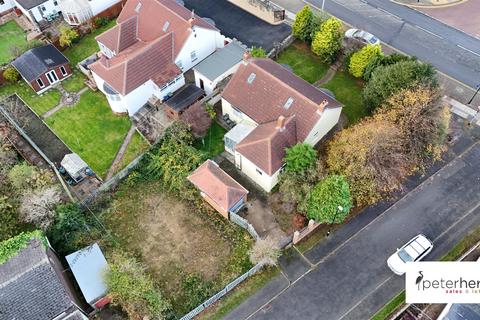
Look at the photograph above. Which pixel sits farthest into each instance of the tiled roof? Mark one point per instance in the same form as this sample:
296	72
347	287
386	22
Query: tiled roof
30	288
217	185
265	145
268	94
148	36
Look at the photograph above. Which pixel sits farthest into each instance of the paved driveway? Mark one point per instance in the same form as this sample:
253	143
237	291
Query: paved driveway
237	23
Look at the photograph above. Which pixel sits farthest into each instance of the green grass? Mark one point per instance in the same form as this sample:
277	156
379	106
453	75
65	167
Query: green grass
136	147
86	46
390	307
10	35
91	130
75	82
464	245
303	62
239	294
348	91
212	144
39	103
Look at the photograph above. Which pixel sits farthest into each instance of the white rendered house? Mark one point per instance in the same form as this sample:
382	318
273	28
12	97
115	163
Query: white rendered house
147	52
76	12
36	11
274	110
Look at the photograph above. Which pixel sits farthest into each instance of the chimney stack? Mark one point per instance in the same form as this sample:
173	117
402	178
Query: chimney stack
322	106
246	57
280	123
192	18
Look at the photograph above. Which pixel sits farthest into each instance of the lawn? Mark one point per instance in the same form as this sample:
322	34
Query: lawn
176	243
75	82
39	103
348	91
212	144
86	46
387	310
303	62
10	35
91	130
136	147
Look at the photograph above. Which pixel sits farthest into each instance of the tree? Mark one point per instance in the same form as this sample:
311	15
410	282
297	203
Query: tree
388	80
328	41
258	52
9	218
382	60
300	158
20	175
11	74
301	28
422	117
371	156
38	207
330	200
362	58
132	289
317	21
265	251
67	36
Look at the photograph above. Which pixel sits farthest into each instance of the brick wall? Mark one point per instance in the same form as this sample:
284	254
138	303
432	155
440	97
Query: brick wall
44	78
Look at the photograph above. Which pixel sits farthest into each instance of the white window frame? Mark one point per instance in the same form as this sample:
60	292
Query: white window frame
49	73
40	83
63	71
193	56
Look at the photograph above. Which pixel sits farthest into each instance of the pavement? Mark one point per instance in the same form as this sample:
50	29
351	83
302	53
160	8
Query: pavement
428	3
237	23
450	50
345	276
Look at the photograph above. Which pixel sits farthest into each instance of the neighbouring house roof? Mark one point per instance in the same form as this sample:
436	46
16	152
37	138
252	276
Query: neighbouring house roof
147	38
217	185
221	61
73	164
239	132
185	97
29	4
88	267
265	145
29	286
35	62
458	311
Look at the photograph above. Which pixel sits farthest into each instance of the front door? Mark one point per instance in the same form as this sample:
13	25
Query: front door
202	85
52	77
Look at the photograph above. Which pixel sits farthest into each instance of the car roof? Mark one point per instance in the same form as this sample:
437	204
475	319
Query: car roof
417	246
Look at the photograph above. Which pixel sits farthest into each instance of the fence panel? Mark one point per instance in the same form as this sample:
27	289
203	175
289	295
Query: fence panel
244	224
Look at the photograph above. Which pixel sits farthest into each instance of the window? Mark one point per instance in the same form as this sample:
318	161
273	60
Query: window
193	56
251	77
179	64
43	8
40	83
55	3
165	26
64	72
258	171
138	7
52	77
2	2
114	97
288	104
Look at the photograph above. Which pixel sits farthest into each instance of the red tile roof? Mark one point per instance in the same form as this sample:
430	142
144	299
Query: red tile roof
265	145
217	185
148	36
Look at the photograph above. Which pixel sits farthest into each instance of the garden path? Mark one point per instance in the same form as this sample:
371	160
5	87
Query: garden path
121	152
68	100
328	76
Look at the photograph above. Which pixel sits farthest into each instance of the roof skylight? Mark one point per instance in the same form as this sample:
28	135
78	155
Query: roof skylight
251	77
288	104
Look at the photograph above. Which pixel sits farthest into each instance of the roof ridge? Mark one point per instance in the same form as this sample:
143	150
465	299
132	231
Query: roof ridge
16	277
172	11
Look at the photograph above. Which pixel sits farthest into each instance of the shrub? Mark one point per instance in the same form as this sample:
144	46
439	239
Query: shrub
38	207
388	80
196	290
132	289
11	74
258	52
328	40
67	36
9	219
20	175
302	27
300	158
382	61
101	22
330	200
265	251
9	248
362	58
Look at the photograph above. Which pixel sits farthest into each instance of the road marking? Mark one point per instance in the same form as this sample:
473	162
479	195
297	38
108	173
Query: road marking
466	49
430	32
389	13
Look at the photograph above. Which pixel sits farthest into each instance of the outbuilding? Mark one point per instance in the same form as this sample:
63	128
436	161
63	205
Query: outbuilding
42	67
218	66
74	166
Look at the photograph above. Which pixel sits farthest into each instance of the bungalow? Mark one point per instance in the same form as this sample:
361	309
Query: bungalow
148	51
220	190
42	67
34	285
273	109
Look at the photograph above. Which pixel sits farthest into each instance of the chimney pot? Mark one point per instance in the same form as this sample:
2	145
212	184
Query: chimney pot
280	123
322	106
246	56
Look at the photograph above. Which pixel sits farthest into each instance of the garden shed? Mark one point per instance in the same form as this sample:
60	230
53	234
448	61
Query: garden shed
74	166
88	266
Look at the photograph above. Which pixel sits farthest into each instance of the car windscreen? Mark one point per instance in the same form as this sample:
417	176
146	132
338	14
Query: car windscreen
404	255
373	40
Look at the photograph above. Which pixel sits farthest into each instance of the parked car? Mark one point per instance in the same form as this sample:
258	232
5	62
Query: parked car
362	36
414	250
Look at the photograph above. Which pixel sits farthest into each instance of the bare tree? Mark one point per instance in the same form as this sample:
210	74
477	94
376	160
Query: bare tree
38	207
265	251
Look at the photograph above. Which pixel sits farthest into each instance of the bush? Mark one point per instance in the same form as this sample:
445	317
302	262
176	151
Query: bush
258	52
67	36
38	207
330	200
328	40
302	27
362	58
300	158
196	290
388	80
132	289
20	176
9	248
11	74
9	219
100	22
265	251
382	61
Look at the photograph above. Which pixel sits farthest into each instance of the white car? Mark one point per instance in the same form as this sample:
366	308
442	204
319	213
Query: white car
362	36
415	250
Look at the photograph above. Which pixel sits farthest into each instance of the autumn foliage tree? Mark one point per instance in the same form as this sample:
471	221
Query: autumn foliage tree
362	58
328	40
67	36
